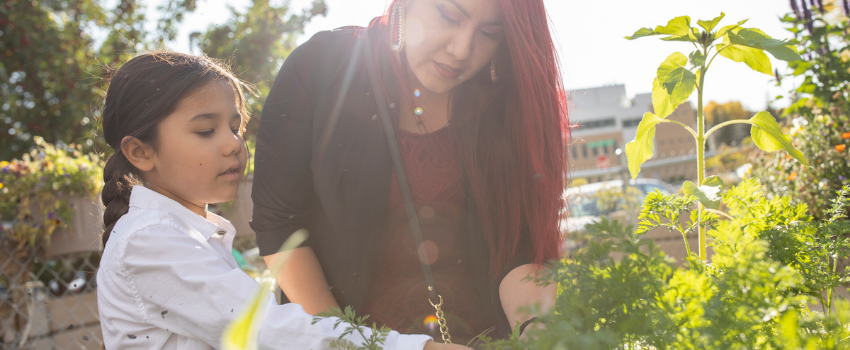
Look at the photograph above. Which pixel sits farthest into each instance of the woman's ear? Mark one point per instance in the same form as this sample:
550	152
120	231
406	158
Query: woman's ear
138	153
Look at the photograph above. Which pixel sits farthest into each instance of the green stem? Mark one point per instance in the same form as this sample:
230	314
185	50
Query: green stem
718	212
718	126
688	128
703	255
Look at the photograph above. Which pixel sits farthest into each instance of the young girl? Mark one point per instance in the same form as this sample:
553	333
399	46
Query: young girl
167	278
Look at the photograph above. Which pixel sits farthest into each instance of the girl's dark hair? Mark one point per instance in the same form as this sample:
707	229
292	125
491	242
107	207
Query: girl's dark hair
140	95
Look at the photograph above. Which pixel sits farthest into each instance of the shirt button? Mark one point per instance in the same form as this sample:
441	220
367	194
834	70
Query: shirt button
374	117
221	232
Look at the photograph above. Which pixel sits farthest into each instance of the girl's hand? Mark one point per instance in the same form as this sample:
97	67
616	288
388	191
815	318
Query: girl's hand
440	346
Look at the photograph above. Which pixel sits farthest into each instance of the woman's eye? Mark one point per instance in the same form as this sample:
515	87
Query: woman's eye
235	131
446	17
490	35
206	133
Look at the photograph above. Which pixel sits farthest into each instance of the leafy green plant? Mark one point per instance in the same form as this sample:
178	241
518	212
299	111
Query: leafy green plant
753	295
354	324
680	75
819	115
811	247
35	189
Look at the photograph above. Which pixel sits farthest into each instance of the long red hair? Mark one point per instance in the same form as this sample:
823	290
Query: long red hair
513	135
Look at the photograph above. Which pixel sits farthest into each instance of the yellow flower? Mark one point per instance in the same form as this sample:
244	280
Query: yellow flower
1	185
241	333
845	55
4	163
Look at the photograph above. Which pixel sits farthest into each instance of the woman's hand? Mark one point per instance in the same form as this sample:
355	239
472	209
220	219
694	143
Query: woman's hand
430	345
516	292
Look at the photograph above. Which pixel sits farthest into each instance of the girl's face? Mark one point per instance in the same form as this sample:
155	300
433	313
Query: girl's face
200	155
449	41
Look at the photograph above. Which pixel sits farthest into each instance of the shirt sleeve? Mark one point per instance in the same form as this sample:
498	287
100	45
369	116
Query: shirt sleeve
186	288
283	180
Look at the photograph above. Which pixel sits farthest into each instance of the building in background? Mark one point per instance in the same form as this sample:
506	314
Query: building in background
607	119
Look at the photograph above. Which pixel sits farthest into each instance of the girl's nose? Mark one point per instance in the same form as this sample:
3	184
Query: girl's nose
233	145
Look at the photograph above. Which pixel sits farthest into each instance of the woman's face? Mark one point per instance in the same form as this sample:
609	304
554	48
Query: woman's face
449	41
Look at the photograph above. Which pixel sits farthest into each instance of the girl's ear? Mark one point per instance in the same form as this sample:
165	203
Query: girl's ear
138	153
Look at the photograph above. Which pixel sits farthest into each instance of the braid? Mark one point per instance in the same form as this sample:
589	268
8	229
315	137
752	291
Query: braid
118	182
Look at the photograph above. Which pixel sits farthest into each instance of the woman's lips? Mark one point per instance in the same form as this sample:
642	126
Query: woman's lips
446	71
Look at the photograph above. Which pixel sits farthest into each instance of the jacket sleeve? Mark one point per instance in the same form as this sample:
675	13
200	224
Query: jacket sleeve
182	286
283	180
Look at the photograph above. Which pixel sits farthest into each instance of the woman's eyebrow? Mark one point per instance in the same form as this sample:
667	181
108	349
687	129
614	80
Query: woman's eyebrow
466	13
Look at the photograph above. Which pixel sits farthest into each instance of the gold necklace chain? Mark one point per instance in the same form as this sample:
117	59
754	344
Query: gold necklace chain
441	320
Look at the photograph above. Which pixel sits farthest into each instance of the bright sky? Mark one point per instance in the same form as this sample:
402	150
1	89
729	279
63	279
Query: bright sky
590	35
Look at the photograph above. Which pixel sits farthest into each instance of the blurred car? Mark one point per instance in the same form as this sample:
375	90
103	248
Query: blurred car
587	204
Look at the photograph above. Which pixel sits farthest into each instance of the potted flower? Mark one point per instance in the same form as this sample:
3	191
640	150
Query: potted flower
50	200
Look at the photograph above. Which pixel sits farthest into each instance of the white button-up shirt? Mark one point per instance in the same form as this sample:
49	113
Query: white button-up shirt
167	280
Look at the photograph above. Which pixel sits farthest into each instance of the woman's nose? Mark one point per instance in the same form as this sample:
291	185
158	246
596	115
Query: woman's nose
460	45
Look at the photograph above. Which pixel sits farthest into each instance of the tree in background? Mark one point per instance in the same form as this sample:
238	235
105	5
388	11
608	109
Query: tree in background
256	42
819	117
716	113
50	83
55	53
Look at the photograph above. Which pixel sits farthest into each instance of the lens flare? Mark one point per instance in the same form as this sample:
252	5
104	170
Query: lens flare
416	93
418	111
431	323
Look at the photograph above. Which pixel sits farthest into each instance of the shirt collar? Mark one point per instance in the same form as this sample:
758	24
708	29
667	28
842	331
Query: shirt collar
145	198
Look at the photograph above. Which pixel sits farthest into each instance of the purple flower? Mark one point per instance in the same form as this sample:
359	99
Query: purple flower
807	18
51	215
819	5
846	7
6	169
797	9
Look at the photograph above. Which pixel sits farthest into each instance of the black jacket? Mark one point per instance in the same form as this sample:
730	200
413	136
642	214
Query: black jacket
323	163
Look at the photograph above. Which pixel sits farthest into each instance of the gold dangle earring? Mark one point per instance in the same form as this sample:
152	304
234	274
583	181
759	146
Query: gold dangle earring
397	26
493	71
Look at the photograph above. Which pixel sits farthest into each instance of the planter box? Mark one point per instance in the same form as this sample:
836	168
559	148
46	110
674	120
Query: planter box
85	230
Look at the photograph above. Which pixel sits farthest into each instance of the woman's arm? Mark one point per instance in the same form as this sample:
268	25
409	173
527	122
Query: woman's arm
303	281
515	291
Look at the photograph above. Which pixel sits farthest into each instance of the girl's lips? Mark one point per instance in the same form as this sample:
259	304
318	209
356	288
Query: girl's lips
446	71
231	174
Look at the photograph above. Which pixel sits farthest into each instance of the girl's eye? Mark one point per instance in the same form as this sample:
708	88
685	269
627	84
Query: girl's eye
235	131
206	133
446	17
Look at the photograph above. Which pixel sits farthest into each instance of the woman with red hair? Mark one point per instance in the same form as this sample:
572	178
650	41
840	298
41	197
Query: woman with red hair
426	157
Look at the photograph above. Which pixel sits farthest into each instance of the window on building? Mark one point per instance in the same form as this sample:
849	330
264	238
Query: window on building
595	124
633	122
595	151
584	150
574	152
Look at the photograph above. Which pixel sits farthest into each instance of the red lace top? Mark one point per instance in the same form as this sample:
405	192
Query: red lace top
397	295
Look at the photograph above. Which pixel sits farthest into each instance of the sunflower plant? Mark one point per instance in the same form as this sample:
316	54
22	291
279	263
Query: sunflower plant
680	75
34	190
